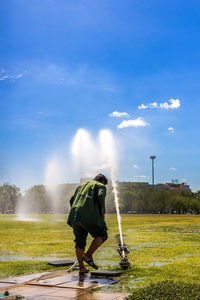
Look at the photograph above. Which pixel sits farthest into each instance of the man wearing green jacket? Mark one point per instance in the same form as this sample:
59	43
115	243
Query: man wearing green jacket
87	215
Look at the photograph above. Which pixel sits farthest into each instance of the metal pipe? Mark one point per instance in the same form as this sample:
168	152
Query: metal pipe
152	157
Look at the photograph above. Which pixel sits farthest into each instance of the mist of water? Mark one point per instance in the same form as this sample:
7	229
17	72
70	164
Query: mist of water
90	156
25	217
23	211
94	155
27	204
52	179
83	150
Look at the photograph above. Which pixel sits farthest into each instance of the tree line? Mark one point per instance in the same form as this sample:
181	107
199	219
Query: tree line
133	198
141	198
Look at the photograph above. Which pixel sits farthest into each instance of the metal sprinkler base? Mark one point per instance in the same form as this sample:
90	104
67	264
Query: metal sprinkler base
125	264
123	251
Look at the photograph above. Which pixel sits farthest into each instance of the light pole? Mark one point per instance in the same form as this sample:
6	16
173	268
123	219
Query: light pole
152	157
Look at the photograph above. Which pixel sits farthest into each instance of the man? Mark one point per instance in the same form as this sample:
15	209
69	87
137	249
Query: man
87	215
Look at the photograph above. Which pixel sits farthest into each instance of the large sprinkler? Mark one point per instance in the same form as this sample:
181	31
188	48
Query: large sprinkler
123	251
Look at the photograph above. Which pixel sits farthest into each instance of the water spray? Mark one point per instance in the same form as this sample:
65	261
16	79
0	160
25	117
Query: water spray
107	145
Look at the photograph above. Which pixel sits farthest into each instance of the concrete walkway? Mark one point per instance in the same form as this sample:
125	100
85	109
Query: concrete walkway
59	285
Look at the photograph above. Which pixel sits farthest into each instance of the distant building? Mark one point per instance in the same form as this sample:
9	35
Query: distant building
173	186
162	186
185	187
141	185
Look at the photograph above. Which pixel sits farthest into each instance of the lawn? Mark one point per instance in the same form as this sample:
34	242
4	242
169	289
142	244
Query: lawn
163	248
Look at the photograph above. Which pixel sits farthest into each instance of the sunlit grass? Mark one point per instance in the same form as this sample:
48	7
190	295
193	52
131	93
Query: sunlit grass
162	247
14	268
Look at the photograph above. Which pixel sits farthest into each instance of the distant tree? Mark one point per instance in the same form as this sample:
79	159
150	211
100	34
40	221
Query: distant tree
197	195
127	201
186	194
159	199
9	195
36	200
195	206
133	196
143	199
177	203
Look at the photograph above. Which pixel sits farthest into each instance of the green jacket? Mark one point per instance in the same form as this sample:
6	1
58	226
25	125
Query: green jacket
87	205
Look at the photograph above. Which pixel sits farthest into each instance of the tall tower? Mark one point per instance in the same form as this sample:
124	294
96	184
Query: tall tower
152	157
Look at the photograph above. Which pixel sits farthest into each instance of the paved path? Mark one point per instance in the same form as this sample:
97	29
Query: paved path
58	285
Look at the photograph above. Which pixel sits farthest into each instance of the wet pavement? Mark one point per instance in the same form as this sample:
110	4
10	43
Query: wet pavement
60	285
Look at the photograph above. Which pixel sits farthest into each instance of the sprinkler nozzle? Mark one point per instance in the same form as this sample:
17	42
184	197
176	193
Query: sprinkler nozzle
123	251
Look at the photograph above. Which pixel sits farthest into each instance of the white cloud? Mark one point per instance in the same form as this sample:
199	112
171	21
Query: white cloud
5	75
118	114
19	76
174	104
171	104
153	105
142	106
135	166
139	122
171	129
172	169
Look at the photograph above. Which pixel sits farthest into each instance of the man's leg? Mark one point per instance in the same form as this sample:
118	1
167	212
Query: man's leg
80	240
99	238
79	255
96	243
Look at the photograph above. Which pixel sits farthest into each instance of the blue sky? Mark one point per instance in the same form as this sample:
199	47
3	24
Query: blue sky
66	65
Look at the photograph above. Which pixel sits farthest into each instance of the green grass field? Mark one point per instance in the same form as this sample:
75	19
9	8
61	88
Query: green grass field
163	248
